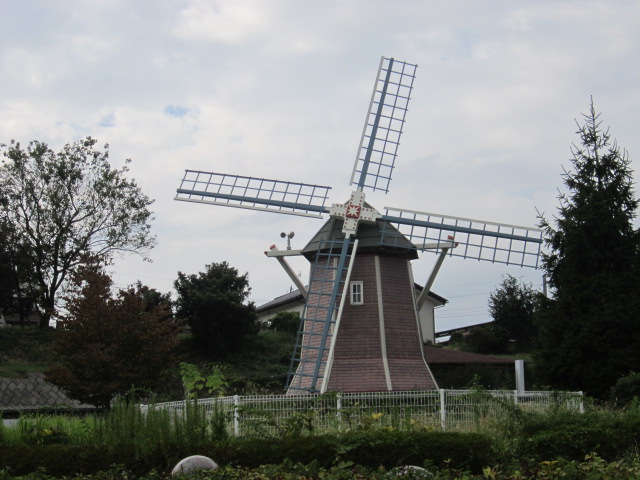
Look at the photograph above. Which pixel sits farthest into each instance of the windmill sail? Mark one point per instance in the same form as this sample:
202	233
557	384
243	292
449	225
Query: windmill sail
476	239
253	193
381	134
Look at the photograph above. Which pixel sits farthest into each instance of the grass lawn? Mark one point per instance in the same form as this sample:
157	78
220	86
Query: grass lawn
25	350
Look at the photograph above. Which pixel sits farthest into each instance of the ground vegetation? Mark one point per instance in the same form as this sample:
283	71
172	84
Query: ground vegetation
520	444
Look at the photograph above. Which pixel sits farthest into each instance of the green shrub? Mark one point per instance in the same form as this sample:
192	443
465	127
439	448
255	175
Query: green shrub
393	448
572	435
625	390
369	449
592	467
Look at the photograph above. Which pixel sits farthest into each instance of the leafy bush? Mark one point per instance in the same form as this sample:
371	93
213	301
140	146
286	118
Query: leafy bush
480	339
591	467
39	430
369	449
573	435
214	305
393	448
160	438
625	390
199	386
494	377
286	322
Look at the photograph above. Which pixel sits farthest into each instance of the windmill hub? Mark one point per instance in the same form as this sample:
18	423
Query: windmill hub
353	212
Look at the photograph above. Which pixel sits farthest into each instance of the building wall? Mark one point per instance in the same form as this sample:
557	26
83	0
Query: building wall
407	366
427	320
378	346
426	313
358	361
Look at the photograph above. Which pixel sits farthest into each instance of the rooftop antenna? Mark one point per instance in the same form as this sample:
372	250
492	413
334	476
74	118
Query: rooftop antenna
288	236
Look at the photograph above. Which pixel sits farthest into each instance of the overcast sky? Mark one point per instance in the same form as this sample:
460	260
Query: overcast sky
280	89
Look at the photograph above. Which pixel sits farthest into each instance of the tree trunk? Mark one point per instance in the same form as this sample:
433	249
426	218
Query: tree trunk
47	312
44	320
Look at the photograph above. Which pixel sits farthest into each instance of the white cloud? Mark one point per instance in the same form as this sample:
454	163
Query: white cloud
30	69
236	22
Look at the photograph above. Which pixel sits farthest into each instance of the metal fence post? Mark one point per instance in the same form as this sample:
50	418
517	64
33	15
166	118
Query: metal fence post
519	366
236	415
581	401
515	397
339	409
443	410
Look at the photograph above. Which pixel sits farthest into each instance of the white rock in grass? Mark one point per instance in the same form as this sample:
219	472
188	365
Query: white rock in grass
194	462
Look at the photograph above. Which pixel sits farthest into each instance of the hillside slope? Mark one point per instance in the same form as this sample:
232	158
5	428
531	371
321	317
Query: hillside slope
24	350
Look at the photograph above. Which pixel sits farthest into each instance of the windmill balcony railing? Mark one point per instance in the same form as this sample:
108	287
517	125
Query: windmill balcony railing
454	410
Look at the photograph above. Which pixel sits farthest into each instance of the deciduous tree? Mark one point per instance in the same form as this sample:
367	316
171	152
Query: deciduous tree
590	330
108	344
512	307
62	206
214	304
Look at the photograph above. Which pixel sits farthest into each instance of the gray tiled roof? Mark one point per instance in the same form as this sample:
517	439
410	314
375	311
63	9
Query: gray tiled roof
33	392
281	300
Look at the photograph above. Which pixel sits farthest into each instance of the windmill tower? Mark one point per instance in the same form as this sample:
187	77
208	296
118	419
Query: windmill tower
360	328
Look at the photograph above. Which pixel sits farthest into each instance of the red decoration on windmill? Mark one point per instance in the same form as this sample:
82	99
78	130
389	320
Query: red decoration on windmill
360	329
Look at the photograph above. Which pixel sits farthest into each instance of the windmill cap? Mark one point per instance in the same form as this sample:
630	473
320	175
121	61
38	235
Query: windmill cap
369	239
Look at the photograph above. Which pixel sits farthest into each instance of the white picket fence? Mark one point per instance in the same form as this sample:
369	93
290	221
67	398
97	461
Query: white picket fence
437	409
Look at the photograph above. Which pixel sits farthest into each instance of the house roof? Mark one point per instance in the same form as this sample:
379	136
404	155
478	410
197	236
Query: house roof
296	296
433	295
466	328
293	296
33	393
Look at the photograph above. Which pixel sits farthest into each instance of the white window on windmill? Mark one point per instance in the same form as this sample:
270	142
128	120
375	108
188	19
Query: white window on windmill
357	295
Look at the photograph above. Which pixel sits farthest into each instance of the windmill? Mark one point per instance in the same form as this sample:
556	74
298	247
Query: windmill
360	328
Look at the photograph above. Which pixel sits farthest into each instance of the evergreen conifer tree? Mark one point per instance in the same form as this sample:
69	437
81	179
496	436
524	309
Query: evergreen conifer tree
590	330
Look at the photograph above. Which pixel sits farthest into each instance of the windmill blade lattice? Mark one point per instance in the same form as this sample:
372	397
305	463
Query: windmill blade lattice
476	239
253	193
382	130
